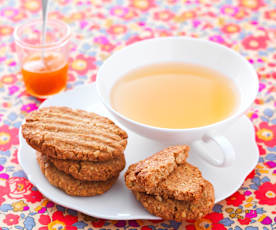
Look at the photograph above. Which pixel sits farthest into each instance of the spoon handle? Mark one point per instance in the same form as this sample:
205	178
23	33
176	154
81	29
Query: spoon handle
44	23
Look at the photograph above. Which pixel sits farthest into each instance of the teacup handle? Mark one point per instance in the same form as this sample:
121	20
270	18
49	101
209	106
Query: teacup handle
226	148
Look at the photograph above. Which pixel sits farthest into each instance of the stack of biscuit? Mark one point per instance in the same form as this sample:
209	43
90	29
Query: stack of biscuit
169	187
80	152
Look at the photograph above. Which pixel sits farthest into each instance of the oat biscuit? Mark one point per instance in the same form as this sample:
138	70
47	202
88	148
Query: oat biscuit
90	170
184	183
148	173
70	185
64	133
171	209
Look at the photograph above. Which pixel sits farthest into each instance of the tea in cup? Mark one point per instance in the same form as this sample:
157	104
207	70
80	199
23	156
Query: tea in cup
179	90
174	95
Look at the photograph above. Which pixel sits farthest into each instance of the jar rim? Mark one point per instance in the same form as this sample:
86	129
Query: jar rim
50	45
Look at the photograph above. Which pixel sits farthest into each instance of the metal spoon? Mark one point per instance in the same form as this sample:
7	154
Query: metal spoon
44	23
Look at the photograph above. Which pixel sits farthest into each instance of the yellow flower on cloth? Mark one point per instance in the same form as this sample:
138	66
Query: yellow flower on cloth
143	5
19	206
252	4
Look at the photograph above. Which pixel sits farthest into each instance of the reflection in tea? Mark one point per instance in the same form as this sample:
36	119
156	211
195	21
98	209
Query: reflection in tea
174	95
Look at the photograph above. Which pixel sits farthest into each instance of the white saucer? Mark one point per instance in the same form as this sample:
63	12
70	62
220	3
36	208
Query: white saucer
119	203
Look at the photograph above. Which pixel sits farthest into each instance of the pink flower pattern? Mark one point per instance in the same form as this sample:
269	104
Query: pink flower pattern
100	28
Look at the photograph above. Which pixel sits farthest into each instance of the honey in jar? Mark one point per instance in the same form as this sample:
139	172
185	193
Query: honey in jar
45	74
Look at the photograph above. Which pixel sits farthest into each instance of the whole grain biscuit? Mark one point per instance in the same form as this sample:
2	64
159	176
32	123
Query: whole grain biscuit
90	170
65	133
184	183
171	209
148	173
70	185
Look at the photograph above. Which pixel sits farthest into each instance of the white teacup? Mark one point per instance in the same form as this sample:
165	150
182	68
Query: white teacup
187	50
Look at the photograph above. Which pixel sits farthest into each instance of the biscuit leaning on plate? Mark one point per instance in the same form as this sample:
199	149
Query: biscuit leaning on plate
169	187
179	210
80	152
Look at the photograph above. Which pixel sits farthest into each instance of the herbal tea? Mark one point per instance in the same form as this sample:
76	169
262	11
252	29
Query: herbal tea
174	95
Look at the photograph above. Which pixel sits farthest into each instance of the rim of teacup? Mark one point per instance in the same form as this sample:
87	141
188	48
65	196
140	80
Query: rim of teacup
233	116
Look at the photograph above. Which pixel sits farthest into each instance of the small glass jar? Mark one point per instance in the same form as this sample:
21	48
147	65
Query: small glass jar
44	67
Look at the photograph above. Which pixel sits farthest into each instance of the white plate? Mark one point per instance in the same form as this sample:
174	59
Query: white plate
119	203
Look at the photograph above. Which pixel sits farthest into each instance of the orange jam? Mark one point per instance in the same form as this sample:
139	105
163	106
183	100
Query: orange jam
45	76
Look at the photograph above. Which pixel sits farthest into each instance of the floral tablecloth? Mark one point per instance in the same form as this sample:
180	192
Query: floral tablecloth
102	27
